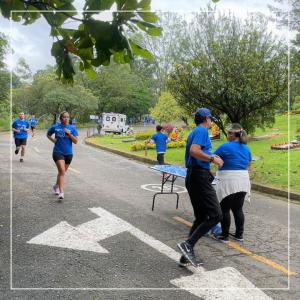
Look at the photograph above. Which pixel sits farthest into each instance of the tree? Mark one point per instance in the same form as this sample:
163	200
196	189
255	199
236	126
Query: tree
45	96
167	49
167	109
94	41
118	89
23	71
3	49
235	68
289	17
4	78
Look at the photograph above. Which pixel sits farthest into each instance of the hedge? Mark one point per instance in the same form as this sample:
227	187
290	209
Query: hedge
141	146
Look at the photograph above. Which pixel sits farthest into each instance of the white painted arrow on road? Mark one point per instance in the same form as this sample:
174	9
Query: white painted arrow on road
225	283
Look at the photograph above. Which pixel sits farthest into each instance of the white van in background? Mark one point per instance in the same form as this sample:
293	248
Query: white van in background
113	122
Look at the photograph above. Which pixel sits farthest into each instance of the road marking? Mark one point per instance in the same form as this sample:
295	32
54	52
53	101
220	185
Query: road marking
36	150
239	248
74	170
217	284
156	187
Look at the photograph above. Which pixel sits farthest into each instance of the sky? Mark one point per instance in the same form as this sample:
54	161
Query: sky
33	42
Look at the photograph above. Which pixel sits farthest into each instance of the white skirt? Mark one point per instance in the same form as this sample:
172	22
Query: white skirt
232	181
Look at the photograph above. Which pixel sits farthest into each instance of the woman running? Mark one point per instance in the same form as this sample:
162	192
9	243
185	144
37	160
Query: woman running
64	136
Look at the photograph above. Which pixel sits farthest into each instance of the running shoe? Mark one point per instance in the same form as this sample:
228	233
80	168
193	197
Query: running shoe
16	151
183	262
238	238
56	189
188	252
21	160
221	238
61	196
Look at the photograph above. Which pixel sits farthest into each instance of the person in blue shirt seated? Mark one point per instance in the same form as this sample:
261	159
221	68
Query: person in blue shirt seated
233	182
33	122
20	128
64	136
160	139
198	181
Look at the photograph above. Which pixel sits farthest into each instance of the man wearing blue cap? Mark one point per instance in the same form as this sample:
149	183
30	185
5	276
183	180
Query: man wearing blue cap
207	210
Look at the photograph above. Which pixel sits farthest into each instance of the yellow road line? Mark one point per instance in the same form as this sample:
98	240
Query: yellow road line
239	248
74	170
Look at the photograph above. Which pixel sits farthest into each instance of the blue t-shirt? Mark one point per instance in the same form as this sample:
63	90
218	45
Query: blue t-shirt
63	143
236	156
20	125
160	140
33	121
198	136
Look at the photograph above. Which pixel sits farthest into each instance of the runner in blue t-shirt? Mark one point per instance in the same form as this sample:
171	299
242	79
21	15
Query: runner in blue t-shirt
33	122
20	128
65	136
160	139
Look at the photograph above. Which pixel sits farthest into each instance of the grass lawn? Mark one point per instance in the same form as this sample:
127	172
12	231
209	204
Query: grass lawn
271	169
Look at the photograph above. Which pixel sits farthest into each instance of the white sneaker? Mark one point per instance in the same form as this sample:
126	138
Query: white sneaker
61	196
56	190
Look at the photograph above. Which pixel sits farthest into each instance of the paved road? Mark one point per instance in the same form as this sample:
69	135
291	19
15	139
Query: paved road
104	235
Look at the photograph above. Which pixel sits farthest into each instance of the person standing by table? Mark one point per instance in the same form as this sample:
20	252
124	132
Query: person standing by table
20	128
233	182
160	139
207	210
65	136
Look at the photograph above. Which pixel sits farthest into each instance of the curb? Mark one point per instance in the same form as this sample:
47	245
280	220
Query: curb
254	186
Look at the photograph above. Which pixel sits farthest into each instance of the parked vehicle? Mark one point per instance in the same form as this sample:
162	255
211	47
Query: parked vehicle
114	122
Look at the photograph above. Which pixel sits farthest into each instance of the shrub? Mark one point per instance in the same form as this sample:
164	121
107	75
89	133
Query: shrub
141	146
144	135
178	144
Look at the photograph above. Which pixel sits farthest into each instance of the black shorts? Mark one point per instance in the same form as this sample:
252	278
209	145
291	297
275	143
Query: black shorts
59	156
20	142
32	127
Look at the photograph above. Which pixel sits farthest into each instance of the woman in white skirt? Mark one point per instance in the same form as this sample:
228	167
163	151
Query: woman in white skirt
233	182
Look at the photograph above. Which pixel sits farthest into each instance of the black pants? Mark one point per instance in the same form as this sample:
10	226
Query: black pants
233	202
161	158
204	200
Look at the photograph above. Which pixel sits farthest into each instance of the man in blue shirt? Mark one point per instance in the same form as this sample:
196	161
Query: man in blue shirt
33	122
160	139
65	136
20	128
207	210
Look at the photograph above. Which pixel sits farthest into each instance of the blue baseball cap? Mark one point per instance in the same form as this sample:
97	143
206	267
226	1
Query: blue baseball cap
204	112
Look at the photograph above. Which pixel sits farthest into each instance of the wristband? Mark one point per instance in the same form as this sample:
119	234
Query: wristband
211	159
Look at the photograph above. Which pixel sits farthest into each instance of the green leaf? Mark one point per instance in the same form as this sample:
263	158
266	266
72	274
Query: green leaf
57	49
139	51
89	71
145	4
119	56
85	53
148	16
99	4
148	27
100	30
130	5
81	66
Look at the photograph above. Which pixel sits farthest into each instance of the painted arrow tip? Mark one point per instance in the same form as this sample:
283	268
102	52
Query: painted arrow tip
221	284
63	235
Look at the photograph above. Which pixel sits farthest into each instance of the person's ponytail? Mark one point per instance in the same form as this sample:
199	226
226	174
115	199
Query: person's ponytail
243	137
